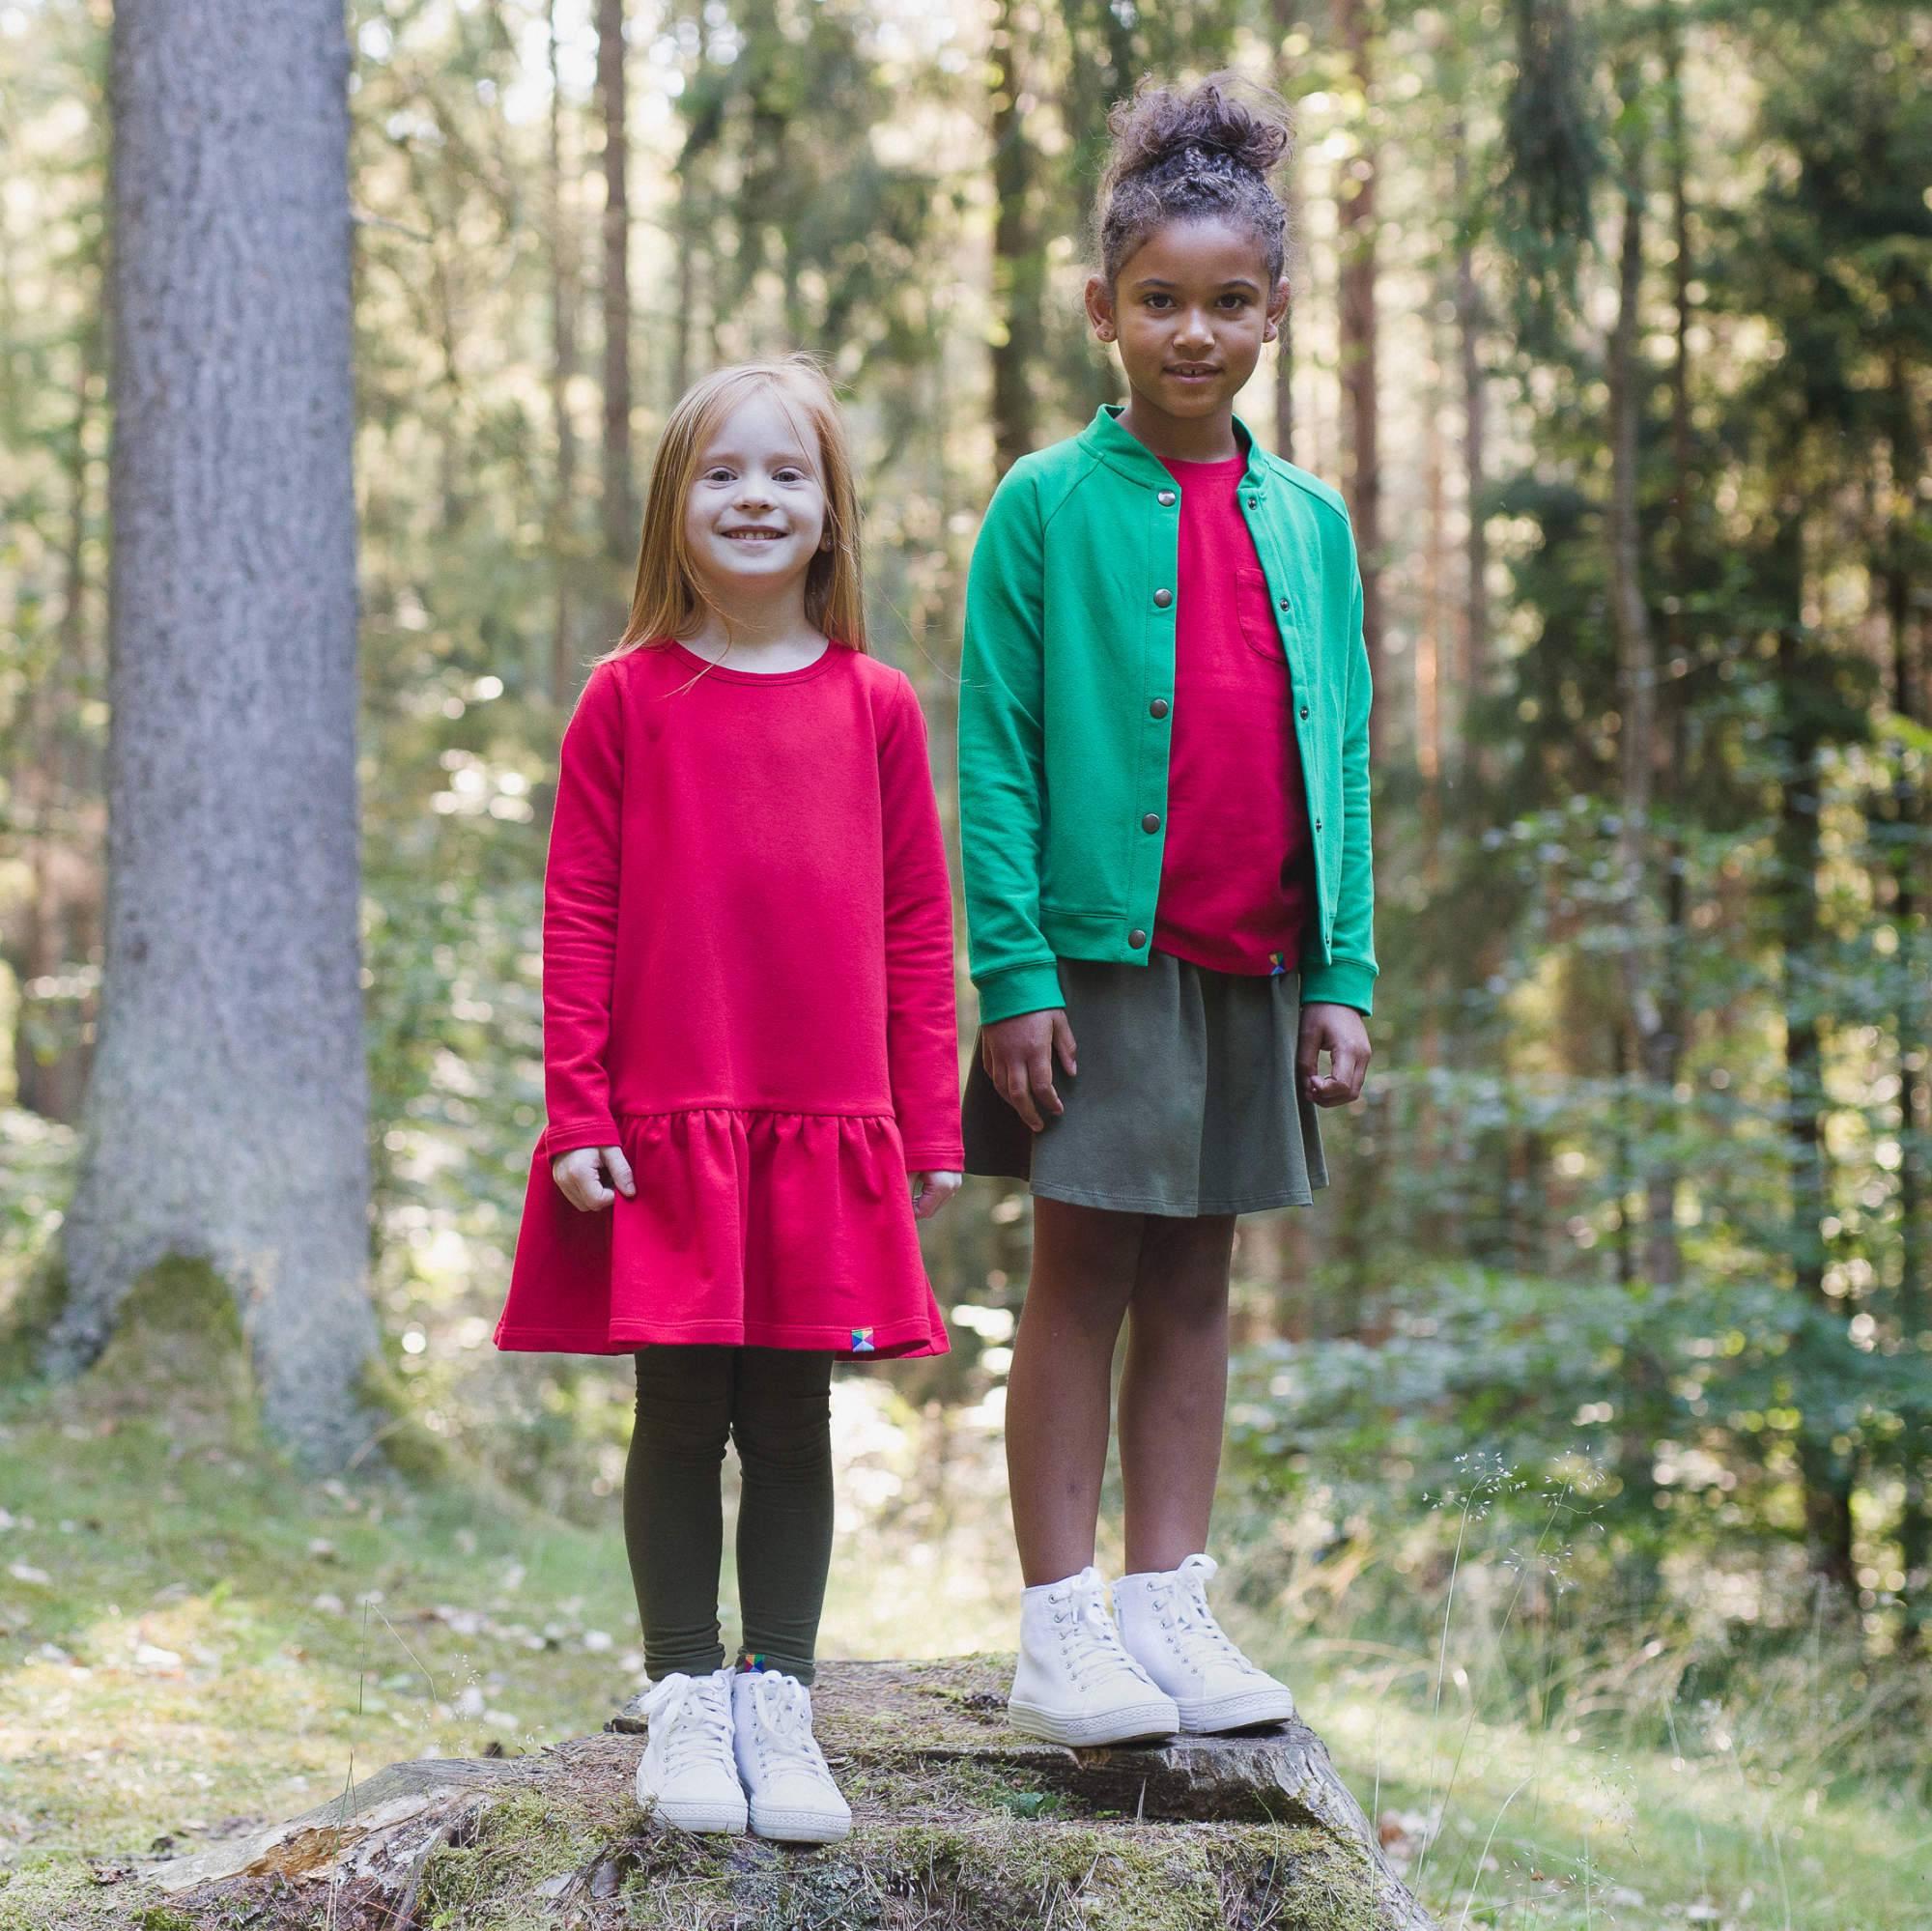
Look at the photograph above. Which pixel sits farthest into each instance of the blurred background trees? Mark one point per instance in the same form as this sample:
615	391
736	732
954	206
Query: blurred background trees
1615	324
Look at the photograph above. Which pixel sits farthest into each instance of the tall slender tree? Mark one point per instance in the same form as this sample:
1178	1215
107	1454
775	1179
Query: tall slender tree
1641	940
1018	260
619	502
1360	338
563	291
1471	320
1286	19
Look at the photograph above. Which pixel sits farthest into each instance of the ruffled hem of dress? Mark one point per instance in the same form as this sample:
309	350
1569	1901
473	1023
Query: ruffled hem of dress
749	1227
623	1337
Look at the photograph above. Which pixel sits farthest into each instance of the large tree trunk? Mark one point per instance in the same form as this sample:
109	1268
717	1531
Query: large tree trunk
620	505
1355	242
1018	266
226	1118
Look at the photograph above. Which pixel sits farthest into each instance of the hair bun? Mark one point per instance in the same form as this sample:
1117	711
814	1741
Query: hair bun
1160	124
1190	154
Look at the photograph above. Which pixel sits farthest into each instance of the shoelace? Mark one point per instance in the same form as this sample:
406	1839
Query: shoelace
1093	1651
1193	1621
783	1736
691	1719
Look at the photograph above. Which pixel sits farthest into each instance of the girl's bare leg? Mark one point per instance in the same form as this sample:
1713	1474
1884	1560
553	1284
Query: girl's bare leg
1060	1388
1173	1394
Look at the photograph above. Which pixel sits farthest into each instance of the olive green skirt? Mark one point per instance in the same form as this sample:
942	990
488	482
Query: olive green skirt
1186	1101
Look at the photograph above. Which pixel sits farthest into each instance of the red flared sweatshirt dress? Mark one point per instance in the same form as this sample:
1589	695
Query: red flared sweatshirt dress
748	987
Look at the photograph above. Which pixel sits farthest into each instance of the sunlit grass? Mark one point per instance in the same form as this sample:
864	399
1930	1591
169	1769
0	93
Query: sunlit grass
192	1633
1507	1764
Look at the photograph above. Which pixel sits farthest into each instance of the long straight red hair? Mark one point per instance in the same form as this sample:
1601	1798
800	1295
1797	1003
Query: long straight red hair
668	601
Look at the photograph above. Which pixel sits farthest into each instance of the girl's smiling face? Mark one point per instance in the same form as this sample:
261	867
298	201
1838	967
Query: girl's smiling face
1190	309
754	518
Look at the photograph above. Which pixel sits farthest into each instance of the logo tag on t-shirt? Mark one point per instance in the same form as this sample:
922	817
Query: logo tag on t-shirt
861	1341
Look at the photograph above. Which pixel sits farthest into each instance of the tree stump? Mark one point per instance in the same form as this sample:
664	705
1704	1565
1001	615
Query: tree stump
960	1825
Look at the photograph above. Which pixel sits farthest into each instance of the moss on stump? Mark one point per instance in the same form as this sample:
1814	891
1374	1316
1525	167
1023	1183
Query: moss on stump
960	1825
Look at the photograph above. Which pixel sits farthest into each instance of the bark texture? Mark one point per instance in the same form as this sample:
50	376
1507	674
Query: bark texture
227	1112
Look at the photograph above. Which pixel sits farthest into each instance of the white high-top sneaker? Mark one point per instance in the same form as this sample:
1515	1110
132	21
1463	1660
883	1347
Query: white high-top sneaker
1168	1627
686	1774
793	1798
1076	1683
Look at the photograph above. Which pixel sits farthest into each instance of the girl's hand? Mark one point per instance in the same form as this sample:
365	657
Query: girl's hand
579	1175
932	1191
1338	1032
1017	1054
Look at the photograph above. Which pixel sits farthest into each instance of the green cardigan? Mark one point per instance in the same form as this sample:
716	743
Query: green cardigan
1064	704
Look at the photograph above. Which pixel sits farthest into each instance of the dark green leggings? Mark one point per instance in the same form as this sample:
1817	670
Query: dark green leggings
774	1404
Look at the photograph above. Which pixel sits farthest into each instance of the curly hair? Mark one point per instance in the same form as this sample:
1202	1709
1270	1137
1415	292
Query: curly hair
1185	154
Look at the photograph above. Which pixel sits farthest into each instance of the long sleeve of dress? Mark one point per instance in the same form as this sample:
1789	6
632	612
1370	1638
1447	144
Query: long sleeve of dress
922	1035
579	924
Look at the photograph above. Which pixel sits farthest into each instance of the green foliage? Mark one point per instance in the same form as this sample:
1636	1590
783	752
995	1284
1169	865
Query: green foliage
1522	1386
1554	150
1465	1345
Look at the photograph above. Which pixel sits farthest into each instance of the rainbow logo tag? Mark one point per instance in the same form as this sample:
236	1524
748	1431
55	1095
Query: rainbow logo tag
861	1341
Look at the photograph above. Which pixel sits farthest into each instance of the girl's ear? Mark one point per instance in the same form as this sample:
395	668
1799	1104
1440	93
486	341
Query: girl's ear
1100	308
1277	307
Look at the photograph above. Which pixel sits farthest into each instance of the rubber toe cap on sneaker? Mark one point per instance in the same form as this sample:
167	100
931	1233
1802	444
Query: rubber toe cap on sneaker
811	1826
801	1810
1144	1723
1247	1708
704	1815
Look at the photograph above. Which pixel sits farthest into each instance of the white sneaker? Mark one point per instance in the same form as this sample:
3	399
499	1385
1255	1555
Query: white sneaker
793	1798
1168	1627
1076	1683
686	1774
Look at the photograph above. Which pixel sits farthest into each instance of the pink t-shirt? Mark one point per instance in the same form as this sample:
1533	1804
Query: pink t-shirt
1235	879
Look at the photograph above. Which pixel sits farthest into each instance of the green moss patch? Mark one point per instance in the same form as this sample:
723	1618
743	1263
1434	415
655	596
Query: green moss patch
490	1883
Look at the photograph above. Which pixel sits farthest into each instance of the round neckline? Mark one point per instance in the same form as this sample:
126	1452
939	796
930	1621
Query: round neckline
1222	464
710	668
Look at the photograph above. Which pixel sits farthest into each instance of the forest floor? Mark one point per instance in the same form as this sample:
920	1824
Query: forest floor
194	1639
